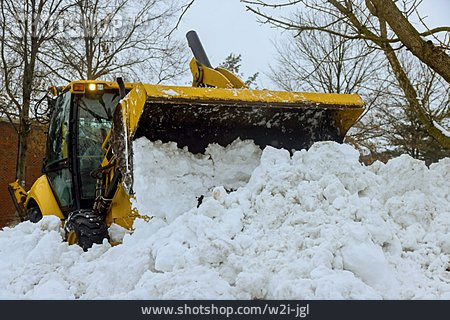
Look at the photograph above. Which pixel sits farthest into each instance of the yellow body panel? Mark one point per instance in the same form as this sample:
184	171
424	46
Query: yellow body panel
235	81
346	118
132	106
206	76
42	193
218	77
251	96
120	211
19	196
19	192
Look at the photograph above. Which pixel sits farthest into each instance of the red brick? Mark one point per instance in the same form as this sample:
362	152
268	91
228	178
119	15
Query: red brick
8	154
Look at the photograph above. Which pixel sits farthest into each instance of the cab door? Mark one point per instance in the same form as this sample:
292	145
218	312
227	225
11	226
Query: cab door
57	165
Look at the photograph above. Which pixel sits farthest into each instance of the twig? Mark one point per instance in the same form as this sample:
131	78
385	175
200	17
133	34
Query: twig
181	17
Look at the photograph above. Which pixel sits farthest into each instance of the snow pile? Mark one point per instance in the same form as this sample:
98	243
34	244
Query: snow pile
169	181
317	225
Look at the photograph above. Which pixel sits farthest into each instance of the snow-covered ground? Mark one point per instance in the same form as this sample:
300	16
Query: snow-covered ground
317	225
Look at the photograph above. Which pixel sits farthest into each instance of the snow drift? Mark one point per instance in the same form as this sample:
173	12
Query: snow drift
317	225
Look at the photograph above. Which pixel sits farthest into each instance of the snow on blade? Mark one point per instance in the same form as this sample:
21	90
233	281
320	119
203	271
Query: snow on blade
170	92
317	225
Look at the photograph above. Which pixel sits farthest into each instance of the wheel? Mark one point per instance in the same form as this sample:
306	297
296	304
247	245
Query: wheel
85	229
34	214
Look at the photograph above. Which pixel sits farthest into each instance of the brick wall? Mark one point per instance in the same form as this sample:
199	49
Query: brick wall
8	154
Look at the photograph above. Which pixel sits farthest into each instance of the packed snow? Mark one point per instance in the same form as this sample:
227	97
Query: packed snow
314	225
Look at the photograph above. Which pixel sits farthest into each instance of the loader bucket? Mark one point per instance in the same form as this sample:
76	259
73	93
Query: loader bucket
195	125
196	117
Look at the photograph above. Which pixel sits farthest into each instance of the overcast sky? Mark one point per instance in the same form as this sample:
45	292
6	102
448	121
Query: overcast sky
224	26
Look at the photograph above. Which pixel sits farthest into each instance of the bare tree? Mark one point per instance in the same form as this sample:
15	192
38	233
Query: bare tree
328	63
108	37
25	28
433	56
370	21
402	129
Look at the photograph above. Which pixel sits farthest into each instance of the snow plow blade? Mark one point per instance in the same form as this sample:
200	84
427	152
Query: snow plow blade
196	117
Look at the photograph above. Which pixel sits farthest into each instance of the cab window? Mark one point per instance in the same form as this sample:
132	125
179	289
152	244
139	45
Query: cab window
94	122
58	133
58	150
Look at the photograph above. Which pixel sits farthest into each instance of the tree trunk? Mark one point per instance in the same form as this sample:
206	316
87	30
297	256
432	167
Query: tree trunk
411	97
24	129
429	54
400	74
21	168
27	89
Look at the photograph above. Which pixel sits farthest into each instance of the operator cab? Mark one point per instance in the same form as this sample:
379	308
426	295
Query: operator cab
78	126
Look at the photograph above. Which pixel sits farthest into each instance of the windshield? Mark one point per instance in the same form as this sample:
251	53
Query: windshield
95	119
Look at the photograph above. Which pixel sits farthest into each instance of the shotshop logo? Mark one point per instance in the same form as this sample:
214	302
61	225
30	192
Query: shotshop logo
294	310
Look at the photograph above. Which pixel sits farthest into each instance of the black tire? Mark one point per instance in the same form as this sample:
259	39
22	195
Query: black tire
88	229
34	214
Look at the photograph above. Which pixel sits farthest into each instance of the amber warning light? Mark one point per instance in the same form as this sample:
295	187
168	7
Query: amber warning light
79	87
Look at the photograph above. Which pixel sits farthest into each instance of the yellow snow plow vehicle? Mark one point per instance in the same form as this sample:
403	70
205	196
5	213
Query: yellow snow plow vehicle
87	176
